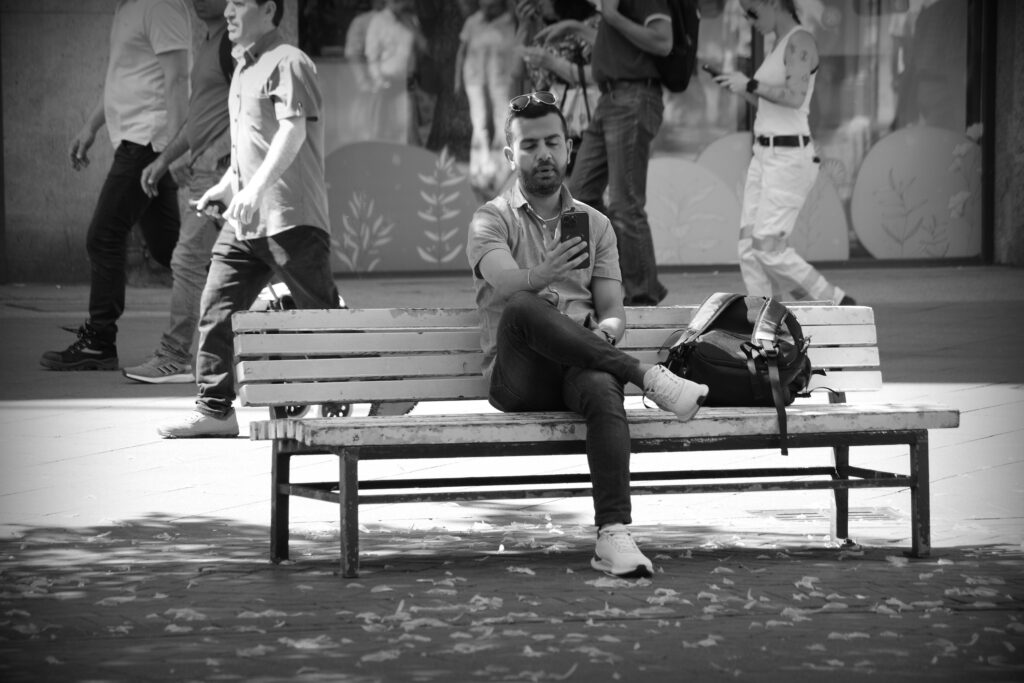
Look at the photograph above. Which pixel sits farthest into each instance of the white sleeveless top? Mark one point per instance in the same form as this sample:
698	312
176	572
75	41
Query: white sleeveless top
776	119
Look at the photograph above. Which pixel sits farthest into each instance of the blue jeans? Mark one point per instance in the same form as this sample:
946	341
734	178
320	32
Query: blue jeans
299	257
614	154
122	204
545	361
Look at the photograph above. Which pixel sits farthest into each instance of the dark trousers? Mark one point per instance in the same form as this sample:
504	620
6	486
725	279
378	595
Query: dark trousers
545	361
614	153
299	257
122	204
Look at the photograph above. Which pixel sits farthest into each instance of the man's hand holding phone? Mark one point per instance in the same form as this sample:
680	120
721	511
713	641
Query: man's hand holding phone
563	256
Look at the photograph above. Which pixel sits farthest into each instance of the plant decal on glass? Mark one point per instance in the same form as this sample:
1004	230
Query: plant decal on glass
363	235
440	215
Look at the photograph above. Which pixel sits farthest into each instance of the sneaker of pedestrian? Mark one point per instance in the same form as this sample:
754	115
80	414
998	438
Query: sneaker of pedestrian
161	370
88	352
616	554
197	425
673	393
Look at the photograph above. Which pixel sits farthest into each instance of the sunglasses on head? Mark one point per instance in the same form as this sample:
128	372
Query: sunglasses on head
521	102
752	15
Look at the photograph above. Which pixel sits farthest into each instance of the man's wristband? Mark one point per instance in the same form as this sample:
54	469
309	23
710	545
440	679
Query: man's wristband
752	85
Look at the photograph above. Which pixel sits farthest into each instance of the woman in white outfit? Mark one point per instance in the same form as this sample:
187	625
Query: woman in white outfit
784	166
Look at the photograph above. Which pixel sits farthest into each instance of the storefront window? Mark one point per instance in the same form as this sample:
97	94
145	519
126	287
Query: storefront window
900	170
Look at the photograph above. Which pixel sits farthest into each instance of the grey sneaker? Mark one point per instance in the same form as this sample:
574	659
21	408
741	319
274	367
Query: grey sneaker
674	393
616	554
199	425
161	370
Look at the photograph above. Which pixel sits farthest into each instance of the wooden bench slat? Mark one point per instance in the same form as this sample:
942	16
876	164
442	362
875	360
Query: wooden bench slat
465	364
456	388
486	428
246	322
299	344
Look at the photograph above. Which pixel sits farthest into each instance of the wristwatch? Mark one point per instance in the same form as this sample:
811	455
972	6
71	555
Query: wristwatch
752	85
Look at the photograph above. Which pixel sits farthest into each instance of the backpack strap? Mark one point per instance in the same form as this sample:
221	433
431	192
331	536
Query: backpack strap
766	328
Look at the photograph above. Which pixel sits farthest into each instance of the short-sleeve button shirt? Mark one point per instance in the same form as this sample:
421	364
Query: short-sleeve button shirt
275	81
508	223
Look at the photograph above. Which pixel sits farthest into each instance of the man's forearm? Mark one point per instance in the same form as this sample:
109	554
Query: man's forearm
177	146
284	147
97	117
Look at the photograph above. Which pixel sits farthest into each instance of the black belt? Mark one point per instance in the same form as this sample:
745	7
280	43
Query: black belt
783	140
606	86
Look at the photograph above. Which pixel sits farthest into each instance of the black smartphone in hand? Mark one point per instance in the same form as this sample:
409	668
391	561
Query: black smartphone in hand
577	224
715	73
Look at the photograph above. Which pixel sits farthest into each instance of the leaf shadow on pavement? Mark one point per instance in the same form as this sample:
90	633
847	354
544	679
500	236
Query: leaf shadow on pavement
164	598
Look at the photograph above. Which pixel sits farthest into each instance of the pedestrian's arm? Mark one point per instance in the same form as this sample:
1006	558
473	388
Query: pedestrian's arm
78	151
151	174
654	37
609	314
175	68
284	147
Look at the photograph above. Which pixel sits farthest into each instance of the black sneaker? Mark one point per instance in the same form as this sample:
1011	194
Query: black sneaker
847	301
87	353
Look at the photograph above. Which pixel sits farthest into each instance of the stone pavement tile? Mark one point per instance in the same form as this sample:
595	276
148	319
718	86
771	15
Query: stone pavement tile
186	600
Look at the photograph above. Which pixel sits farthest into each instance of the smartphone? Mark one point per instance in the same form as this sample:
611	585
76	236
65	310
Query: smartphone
711	70
577	224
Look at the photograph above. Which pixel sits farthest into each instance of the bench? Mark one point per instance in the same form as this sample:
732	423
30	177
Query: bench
289	360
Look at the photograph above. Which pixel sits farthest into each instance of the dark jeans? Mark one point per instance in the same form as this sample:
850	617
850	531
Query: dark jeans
614	153
545	361
299	257
122	204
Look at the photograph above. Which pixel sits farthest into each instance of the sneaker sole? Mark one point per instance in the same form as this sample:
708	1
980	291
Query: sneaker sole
640	572
165	379
109	364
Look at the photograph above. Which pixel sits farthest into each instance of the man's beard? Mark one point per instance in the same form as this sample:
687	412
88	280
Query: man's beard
543	187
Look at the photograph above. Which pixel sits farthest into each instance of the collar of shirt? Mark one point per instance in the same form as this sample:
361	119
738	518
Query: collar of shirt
518	200
249	55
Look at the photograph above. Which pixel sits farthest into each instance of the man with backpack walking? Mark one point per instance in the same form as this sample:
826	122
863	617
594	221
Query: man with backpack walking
616	146
206	136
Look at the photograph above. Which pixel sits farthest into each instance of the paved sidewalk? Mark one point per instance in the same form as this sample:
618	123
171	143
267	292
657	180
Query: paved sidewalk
124	557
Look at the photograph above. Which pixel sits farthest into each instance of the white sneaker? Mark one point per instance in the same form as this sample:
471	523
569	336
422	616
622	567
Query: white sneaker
161	370
198	425
674	393
617	554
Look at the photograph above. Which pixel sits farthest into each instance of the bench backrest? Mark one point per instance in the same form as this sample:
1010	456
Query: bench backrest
368	355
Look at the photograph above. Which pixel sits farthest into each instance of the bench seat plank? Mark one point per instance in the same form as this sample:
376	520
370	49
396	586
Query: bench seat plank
495	428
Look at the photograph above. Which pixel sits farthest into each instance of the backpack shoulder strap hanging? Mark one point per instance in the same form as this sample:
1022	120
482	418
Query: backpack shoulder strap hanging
762	340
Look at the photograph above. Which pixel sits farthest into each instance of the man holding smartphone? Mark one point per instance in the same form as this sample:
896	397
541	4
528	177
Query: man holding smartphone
550	301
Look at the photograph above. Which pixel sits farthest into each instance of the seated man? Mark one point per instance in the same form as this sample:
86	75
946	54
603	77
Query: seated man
551	315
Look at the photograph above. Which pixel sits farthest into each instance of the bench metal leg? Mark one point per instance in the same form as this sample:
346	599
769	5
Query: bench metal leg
348	499
920	493
841	497
280	478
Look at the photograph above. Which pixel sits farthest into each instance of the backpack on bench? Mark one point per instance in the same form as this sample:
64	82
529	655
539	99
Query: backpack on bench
749	350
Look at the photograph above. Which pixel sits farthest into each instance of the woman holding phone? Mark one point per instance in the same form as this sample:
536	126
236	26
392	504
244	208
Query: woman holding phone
784	166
